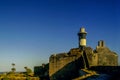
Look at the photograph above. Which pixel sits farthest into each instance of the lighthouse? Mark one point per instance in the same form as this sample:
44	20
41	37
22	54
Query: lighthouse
82	38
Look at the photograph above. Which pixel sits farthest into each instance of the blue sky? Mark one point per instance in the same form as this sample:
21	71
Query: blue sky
32	30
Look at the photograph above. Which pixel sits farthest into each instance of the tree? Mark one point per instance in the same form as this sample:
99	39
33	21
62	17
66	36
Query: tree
13	69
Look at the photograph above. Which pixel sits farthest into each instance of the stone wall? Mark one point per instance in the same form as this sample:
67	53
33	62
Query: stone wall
106	57
76	59
57	62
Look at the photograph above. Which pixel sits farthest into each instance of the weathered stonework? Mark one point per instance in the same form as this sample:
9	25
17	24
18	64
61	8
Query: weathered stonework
68	64
106	57
58	61
101	56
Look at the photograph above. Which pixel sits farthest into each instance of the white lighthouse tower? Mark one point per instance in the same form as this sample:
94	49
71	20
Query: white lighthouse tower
82	38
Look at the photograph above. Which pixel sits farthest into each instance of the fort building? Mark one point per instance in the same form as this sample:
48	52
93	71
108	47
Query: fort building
82	57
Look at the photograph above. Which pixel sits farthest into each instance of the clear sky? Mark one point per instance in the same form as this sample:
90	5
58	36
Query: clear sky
32	30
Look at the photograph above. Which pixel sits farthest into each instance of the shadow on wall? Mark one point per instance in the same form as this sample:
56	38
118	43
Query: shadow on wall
42	71
69	71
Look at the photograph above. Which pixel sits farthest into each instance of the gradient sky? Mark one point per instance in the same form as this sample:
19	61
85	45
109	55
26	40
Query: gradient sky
32	30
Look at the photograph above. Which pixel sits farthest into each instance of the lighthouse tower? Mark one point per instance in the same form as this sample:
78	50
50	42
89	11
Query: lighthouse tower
82	38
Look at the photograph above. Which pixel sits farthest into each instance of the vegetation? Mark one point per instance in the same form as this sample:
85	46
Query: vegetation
12	75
